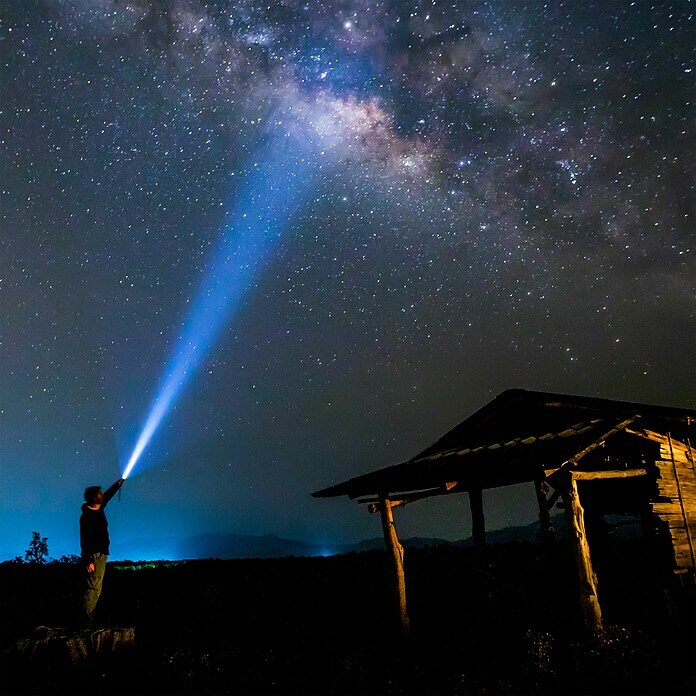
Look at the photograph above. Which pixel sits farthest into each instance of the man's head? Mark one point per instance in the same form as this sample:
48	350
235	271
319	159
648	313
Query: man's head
94	495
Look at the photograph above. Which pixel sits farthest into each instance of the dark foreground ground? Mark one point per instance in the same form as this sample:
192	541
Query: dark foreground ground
504	623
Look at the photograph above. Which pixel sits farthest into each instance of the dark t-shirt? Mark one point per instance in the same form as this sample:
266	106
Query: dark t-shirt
94	529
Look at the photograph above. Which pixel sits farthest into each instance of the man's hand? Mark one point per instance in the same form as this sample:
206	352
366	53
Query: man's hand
120	482
90	568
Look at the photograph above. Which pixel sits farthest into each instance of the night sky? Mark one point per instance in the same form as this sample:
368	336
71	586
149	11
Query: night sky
355	223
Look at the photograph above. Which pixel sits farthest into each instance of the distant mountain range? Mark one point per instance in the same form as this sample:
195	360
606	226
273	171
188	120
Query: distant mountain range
227	546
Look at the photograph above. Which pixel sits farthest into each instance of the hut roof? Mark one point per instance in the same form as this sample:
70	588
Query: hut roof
513	439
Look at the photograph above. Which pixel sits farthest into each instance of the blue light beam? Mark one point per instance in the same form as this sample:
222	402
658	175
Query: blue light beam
275	190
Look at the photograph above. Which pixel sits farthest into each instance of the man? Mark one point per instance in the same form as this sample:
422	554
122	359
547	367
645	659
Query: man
94	542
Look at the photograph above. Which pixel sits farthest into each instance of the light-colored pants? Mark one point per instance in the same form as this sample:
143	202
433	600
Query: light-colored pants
94	585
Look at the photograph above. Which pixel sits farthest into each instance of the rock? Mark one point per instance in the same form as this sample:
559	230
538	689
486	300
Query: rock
72	646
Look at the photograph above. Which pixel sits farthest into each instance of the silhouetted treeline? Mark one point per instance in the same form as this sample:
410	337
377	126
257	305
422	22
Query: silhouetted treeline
502	622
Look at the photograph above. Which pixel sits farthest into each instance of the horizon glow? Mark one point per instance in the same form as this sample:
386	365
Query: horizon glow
273	193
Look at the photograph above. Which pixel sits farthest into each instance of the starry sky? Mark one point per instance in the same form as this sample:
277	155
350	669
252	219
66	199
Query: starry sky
369	216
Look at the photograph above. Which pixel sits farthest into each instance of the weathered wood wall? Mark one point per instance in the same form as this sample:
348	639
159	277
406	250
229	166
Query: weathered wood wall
676	503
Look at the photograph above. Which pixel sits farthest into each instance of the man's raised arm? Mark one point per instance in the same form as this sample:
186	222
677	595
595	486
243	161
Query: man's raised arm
111	491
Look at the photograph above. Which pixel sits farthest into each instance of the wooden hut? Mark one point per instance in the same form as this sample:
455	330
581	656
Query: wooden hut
618	457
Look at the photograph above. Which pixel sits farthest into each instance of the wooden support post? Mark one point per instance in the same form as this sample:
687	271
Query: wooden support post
587	580
396	551
547	533
478	524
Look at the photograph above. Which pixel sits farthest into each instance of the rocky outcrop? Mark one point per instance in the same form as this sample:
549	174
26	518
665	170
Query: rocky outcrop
65	647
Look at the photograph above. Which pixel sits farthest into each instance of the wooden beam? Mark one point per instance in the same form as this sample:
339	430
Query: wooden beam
556	476
406	498
396	551
596	475
547	533
598	443
552	499
587	580
478	523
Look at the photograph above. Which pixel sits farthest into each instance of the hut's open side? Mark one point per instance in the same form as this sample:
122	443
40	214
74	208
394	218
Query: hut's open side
614	457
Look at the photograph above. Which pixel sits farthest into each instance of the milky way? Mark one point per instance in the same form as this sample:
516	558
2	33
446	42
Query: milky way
490	195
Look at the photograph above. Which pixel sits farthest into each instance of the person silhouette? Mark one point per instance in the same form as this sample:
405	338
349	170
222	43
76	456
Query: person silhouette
94	544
